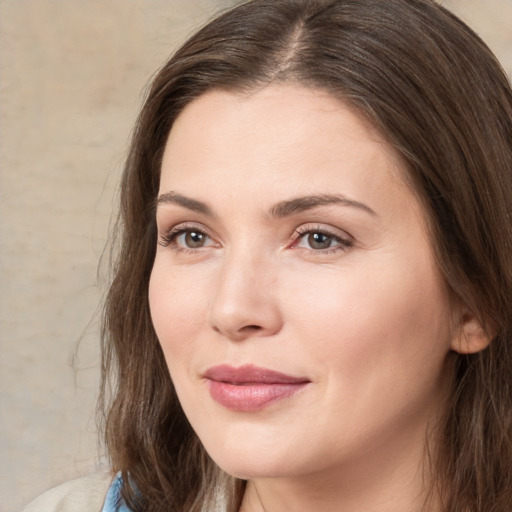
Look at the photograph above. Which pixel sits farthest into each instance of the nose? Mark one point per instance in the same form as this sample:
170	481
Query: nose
246	304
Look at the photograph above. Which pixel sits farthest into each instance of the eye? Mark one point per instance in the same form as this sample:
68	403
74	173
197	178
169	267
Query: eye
317	241
192	239
183	238
321	240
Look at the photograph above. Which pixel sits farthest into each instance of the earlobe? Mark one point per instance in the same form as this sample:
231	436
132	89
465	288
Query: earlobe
472	336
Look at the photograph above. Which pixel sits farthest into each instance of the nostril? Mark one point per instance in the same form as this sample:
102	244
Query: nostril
246	329
252	328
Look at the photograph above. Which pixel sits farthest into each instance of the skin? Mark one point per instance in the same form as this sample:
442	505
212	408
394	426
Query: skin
366	318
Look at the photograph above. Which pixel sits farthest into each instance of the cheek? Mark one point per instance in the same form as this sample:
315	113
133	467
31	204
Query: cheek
388	316
177	306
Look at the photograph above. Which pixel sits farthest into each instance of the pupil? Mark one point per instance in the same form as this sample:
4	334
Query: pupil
193	239
319	241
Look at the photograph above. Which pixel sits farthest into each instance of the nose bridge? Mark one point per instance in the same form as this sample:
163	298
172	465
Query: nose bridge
245	303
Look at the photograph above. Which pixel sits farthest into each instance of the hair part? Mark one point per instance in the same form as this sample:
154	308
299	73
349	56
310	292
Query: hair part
438	95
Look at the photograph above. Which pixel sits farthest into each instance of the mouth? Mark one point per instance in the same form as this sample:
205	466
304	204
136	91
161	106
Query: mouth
250	388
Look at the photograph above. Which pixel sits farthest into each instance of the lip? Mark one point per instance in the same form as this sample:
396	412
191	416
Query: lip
250	388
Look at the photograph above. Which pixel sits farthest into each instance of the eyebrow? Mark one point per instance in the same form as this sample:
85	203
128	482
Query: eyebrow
281	209
300	204
186	202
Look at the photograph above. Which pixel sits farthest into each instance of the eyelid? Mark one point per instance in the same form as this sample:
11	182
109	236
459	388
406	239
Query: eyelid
345	240
168	236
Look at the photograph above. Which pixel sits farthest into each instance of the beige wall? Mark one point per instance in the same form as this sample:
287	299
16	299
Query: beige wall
72	73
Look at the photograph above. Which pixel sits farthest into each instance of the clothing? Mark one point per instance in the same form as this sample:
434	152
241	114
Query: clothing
114	502
94	493
99	492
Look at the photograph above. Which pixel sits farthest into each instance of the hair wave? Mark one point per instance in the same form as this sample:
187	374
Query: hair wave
439	96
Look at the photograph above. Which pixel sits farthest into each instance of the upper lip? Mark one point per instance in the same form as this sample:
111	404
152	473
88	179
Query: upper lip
250	374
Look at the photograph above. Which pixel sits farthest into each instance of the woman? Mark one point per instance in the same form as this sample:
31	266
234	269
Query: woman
311	307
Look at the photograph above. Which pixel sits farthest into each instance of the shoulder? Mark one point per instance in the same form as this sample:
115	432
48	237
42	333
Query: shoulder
85	494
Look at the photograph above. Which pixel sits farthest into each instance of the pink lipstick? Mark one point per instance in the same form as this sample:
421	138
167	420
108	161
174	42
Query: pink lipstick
250	388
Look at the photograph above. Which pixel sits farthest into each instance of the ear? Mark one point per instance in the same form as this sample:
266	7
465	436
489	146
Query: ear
471	336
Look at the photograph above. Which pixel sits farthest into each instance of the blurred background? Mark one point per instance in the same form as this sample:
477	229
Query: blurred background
72	74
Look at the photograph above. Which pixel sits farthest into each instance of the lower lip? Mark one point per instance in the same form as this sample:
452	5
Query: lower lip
251	397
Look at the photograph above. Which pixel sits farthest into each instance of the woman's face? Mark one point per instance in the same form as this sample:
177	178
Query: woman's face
294	291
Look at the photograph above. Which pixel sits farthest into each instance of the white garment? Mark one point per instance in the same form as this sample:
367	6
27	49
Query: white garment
86	494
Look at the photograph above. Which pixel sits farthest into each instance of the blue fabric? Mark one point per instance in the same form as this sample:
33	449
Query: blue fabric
114	502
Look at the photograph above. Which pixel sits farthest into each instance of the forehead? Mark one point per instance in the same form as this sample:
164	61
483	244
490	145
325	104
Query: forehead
306	108
283	125
242	154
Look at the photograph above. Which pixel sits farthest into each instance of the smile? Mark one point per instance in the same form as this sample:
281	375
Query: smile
250	388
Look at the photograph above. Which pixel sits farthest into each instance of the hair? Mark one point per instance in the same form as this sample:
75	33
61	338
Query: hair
441	99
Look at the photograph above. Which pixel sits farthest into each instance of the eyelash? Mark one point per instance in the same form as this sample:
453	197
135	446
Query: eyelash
169	238
343	244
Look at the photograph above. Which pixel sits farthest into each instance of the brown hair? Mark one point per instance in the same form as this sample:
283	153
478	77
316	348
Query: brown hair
434	89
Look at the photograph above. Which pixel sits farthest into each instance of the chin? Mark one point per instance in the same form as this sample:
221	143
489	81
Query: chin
252	469
253	458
